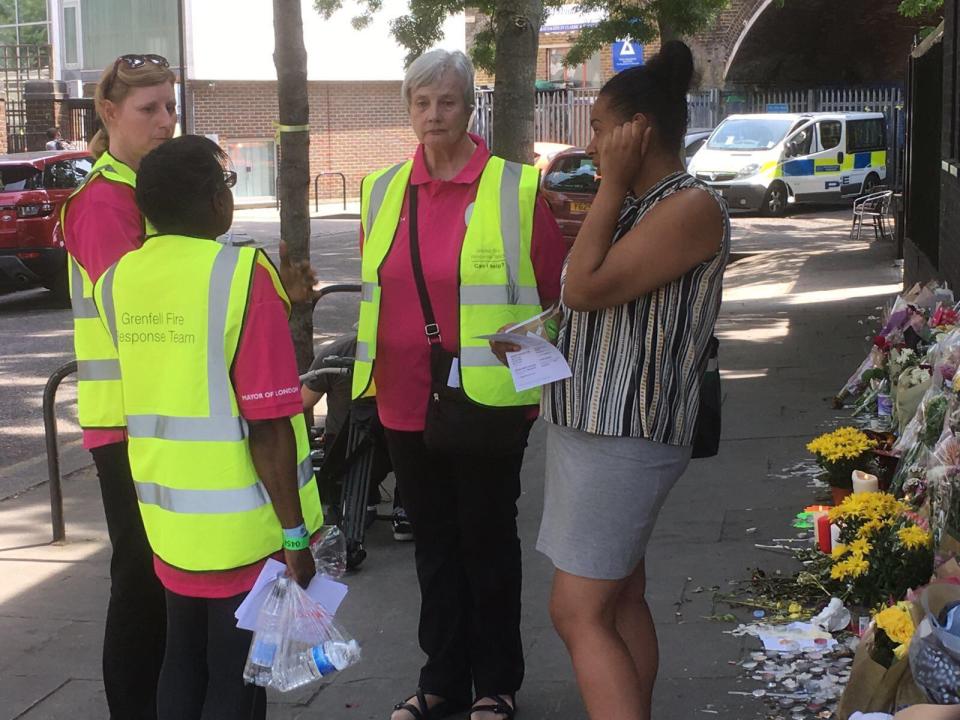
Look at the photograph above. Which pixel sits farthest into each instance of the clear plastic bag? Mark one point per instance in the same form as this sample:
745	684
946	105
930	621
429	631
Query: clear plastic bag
855	385
935	648
296	641
329	552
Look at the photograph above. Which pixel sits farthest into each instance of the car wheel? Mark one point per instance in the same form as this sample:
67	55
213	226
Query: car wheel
59	288
869	184
775	200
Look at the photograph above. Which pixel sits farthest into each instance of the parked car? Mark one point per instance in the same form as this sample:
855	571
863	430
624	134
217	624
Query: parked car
545	152
693	141
33	187
765	161
569	186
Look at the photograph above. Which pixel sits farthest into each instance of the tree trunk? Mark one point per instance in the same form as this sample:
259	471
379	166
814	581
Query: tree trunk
667	27
290	58
517	24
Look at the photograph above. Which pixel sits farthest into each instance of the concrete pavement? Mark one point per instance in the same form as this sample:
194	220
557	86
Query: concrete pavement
790	335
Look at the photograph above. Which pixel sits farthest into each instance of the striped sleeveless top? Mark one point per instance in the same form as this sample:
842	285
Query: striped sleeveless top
637	368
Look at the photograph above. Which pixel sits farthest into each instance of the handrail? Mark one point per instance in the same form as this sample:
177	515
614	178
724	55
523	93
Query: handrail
316	188
53	455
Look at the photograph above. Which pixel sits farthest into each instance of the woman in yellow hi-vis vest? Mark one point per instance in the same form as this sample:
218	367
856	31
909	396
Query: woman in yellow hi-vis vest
137	107
469	225
217	439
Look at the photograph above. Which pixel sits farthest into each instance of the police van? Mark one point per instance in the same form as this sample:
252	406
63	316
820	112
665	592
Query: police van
765	161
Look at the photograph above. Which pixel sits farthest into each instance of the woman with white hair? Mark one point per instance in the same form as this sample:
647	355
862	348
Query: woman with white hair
456	245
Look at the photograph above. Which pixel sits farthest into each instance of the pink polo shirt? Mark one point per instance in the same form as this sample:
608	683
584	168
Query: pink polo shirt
402	370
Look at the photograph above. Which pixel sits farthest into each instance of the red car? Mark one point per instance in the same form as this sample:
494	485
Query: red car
569	186
33	187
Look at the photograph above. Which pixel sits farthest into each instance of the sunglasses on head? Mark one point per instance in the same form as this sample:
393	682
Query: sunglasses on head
133	62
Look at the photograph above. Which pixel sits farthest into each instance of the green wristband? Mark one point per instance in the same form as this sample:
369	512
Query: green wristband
300	543
296	538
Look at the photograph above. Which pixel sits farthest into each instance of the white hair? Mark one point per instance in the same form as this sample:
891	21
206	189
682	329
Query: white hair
431	66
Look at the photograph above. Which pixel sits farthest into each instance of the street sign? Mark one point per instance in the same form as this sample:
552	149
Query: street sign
627	54
778	108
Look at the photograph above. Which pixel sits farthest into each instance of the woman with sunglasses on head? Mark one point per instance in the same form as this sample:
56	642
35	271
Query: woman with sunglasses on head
100	222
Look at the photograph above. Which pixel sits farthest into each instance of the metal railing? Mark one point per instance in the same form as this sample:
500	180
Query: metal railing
53	452
316	188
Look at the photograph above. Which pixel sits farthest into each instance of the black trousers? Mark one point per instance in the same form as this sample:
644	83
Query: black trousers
133	642
203	670
464	516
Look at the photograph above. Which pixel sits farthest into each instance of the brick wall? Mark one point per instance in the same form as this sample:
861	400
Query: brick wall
356	127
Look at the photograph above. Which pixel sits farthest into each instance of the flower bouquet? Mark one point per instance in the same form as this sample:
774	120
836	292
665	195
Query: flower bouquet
894	630
841	452
882	550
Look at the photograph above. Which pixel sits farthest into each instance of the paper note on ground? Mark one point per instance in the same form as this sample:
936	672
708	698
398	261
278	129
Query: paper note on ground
322	589
536	363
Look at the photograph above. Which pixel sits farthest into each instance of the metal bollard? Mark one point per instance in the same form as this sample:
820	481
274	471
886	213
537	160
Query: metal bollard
53	454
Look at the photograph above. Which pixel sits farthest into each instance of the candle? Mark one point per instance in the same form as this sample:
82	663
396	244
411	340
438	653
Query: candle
822	532
864	482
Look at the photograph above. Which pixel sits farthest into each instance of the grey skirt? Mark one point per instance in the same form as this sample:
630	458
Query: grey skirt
601	499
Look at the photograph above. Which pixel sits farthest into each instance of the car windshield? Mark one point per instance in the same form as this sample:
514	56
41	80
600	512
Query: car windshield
19	177
574	173
749	133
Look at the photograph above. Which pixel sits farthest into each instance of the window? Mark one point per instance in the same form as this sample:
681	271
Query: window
23	22
72	34
19	177
575	173
830	132
749	134
256	166
587	74
801	142
66	174
866	135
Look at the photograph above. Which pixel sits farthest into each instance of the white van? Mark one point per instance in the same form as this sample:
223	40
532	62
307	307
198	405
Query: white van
765	161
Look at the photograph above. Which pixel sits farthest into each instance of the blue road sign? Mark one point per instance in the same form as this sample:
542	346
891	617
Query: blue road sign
627	54
778	108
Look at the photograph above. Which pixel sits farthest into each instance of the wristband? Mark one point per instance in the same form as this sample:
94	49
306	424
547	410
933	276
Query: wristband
296	538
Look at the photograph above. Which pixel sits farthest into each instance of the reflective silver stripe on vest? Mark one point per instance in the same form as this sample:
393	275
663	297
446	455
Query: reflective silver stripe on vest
186	429
478	357
510	224
109	306
84	308
363	352
497	295
213	502
368	292
98	369
218	377
378	193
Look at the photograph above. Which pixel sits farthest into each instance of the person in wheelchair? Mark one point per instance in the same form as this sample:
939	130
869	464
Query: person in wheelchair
336	389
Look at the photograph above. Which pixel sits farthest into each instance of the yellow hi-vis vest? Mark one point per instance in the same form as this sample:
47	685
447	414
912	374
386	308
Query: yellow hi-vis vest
497	281
176	308
99	400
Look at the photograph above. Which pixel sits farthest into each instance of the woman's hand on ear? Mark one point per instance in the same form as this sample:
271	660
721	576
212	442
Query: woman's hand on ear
622	152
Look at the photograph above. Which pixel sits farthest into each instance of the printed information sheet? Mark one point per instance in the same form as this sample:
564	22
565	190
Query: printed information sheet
537	362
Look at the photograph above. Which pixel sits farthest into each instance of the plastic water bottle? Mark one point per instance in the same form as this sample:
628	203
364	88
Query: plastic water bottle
320	660
266	640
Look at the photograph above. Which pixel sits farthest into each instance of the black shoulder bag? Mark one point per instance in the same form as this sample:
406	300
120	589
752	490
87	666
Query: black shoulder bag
706	434
456	425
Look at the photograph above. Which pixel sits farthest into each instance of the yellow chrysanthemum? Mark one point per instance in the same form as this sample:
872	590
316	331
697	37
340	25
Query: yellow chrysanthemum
844	443
913	537
838	551
860	547
897	622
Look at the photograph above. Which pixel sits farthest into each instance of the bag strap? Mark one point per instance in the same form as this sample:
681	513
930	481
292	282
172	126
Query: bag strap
430	327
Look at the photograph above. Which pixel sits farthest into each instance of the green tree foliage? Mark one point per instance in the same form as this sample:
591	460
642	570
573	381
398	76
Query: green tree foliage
919	8
640	21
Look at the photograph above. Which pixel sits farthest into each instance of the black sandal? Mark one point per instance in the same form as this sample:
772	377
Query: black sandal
500	706
442	709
